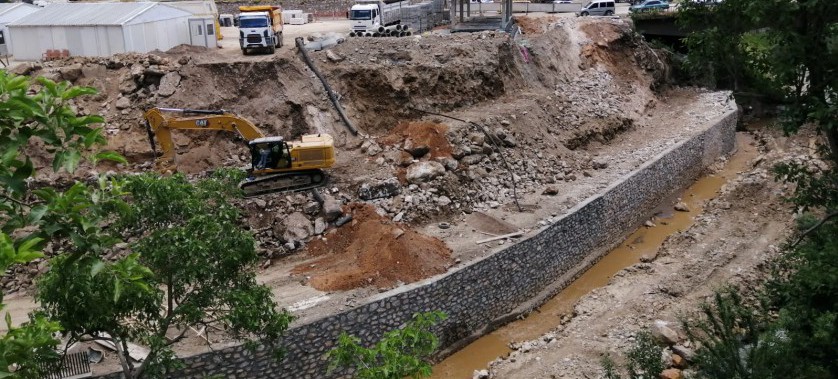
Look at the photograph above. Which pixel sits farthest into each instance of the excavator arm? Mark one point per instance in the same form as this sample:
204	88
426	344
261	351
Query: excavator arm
277	165
161	121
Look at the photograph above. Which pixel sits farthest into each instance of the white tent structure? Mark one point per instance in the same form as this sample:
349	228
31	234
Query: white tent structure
101	29
10	12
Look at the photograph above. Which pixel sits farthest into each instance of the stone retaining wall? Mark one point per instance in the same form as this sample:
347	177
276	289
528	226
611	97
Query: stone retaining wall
509	282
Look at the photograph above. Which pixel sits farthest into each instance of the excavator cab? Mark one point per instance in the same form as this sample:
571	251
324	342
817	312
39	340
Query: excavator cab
269	153
276	165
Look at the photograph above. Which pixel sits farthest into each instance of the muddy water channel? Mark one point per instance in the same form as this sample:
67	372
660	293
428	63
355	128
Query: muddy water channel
644	241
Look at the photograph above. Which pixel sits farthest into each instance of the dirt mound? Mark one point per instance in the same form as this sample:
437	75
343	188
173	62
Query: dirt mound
372	251
185	49
612	47
420	133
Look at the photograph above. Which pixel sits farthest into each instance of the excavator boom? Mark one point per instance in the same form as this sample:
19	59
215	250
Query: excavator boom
278	166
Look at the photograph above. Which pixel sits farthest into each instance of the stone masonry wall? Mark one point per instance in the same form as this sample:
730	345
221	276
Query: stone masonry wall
481	293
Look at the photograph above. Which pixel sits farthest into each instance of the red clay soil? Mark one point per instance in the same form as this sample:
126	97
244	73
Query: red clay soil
420	133
373	251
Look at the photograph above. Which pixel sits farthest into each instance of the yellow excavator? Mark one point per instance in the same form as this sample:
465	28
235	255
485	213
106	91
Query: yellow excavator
277	165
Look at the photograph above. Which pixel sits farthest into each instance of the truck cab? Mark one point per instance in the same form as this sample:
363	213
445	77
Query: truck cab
365	17
260	29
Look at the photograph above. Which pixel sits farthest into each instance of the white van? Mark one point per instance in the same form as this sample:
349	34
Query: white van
597	8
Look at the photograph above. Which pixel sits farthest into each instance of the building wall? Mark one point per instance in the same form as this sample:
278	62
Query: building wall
161	35
507	283
31	42
10	16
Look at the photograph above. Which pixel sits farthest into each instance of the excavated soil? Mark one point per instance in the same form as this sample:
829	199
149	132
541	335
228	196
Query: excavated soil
372	251
415	134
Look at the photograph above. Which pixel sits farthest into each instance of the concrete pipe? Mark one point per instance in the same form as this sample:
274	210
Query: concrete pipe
368	34
408	34
352	34
381	29
405	27
376	34
398	27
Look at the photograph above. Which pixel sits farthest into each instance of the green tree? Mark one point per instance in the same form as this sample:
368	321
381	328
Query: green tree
804	292
192	265
399	354
788	47
28	112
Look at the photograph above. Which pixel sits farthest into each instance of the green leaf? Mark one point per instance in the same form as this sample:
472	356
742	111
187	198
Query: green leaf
117	290
37	212
72	160
74	92
58	160
97	268
110	156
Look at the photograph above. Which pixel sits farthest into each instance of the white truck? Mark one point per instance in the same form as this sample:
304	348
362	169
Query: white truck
372	17
260	27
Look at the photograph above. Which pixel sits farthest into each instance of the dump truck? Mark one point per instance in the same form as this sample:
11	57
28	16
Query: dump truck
373	18
260	27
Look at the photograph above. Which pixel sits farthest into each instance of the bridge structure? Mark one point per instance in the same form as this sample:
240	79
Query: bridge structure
660	25
471	17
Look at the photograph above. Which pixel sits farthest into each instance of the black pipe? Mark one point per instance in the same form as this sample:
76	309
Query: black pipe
301	47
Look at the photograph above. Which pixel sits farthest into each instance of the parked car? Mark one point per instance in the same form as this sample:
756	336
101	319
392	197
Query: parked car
649	5
597	8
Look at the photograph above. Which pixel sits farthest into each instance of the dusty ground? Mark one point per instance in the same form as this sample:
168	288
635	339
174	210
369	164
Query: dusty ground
568	108
730	244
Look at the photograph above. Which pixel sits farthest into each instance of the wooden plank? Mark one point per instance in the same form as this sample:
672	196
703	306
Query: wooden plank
510	235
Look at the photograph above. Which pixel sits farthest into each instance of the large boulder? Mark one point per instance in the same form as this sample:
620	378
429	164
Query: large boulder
295	227
663	334
421	172
380	189
71	73
168	84
123	103
331	208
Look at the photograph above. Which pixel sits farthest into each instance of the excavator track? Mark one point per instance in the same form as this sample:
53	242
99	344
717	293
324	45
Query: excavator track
284	182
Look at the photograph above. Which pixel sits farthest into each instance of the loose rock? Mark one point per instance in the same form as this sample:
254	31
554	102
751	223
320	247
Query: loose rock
671	373
168	84
380	189
663	333
296	227
331	208
422	172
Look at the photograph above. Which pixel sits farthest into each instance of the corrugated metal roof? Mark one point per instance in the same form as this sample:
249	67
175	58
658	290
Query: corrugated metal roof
5	7
79	14
13	11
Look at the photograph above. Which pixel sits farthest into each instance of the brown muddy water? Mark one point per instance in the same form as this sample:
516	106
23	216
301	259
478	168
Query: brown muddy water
645	240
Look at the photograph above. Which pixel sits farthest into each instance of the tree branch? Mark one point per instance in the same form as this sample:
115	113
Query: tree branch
123	358
16	201
813	228
177	339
